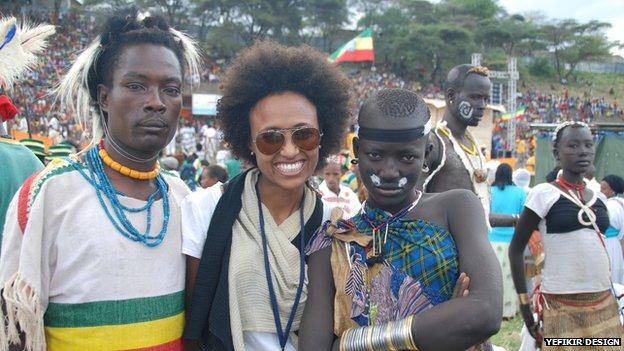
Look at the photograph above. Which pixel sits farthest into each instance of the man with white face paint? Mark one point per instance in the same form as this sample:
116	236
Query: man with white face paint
384	279
454	160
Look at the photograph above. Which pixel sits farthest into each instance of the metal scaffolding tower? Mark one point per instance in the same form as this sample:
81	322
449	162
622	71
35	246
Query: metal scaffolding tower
512	76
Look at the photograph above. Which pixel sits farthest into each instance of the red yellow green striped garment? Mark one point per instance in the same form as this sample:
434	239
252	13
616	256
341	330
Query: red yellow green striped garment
150	323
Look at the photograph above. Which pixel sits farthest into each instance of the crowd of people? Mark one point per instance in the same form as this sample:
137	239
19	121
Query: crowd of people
264	234
558	108
555	108
34	94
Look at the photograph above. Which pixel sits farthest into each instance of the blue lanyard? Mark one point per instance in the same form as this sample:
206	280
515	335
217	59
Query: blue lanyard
281	333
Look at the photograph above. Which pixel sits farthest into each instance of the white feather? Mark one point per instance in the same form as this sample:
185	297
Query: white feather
192	55
73	91
33	38
18	55
11	55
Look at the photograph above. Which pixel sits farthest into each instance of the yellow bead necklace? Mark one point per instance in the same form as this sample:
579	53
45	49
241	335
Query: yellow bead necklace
472	152
128	172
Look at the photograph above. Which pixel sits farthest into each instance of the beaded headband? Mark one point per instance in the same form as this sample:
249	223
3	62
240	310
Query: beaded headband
566	124
395	135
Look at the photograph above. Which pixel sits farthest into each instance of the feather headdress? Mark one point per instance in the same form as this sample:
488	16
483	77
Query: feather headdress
19	44
73	91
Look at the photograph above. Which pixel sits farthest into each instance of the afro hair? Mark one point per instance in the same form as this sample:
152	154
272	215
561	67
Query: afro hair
269	68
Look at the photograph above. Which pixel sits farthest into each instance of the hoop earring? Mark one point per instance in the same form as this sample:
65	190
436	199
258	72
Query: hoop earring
354	161
425	168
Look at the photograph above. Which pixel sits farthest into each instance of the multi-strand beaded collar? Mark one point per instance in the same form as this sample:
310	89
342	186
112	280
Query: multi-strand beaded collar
98	178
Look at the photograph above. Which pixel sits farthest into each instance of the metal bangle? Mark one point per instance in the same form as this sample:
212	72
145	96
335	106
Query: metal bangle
343	341
369	338
410	340
394	335
388	337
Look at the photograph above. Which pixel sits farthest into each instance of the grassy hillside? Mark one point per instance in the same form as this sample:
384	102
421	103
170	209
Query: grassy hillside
585	84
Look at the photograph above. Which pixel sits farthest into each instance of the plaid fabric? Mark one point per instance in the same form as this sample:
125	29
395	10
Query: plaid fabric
423	250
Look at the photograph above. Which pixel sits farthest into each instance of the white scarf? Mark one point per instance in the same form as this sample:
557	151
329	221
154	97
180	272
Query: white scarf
250	306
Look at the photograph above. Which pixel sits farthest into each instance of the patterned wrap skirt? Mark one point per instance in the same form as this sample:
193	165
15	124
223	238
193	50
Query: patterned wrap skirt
585	315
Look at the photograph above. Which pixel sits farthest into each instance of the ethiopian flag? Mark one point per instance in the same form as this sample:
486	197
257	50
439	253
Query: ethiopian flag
519	114
358	49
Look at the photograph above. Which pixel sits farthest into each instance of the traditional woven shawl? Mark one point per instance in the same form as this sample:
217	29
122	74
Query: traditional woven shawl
419	269
250	308
421	249
56	261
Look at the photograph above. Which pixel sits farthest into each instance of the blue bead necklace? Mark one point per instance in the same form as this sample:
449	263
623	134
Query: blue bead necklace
104	189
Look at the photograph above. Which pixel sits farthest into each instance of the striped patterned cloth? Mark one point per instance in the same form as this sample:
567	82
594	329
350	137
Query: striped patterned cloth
72	282
423	250
117	325
419	269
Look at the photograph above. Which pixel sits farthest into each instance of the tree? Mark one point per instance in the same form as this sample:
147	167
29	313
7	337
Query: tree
229	25
325	18
419	40
480	9
509	32
110	3
571	42
171	9
424	52
369	8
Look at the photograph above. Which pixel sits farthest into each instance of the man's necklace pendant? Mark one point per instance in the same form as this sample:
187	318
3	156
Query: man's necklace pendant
375	253
372	260
480	175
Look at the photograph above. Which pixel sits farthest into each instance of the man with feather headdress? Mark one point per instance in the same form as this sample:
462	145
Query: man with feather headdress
18	45
91	255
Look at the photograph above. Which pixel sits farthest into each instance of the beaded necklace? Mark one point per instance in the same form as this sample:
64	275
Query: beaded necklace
479	173
104	189
376	254
569	186
128	172
472	151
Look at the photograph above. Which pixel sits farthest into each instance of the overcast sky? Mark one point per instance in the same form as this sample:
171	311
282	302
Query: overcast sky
611	11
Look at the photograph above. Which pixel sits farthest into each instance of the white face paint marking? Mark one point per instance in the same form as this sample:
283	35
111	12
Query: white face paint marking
375	179
402	182
465	110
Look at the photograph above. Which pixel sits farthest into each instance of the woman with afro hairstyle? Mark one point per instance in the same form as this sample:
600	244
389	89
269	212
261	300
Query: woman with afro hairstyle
284	110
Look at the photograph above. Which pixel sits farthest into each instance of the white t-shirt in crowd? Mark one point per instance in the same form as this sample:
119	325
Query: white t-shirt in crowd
347	199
